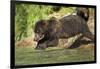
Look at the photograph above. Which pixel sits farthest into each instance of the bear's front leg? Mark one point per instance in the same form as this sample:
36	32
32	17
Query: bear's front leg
47	43
41	46
52	42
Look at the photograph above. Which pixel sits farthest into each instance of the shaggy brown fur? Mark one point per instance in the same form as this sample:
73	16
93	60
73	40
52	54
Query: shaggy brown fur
49	31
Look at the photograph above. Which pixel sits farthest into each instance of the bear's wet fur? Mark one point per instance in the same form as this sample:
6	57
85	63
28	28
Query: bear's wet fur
50	31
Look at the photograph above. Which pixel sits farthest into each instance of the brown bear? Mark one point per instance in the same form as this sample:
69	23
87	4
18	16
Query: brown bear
48	32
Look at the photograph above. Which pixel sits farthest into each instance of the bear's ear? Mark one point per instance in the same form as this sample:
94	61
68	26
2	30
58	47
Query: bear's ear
43	22
53	20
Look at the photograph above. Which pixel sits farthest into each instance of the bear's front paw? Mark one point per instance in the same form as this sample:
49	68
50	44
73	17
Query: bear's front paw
41	46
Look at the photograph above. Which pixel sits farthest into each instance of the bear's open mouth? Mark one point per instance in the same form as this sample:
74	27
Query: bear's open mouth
38	37
41	37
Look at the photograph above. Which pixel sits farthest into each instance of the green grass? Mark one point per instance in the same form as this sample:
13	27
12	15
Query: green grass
29	56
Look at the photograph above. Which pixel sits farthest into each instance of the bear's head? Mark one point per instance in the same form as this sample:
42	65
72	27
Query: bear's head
40	29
